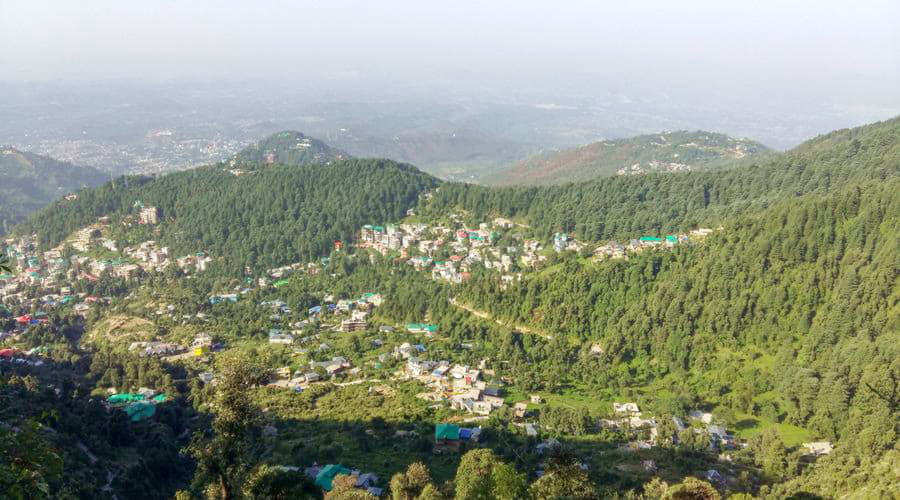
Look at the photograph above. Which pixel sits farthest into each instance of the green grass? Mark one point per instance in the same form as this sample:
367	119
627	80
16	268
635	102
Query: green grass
748	426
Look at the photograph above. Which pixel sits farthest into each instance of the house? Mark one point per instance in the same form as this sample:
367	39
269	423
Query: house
650	241
520	409
149	215
160	349
536	399
472	435
353	325
482	407
704	417
446	438
819	448
531	430
417	367
421	328
494	401
626	408
276	337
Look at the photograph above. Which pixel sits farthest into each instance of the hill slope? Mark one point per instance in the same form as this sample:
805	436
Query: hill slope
281	214
620	206
666	152
288	148
30	182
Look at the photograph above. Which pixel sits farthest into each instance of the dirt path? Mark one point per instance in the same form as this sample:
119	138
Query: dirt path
486	316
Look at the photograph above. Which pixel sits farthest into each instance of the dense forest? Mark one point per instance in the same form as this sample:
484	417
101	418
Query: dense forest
288	148
31	182
279	215
620	207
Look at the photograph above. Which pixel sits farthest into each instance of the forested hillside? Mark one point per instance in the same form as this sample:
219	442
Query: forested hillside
31	182
790	314
657	153
282	214
657	203
288	148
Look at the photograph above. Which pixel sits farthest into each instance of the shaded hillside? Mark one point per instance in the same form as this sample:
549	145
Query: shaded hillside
30	182
288	148
625	205
679	151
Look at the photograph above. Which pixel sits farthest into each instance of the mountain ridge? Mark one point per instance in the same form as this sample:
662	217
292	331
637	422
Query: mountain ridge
674	151
32	181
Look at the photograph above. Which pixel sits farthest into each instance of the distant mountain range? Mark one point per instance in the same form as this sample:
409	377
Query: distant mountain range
664	152
288	148
29	182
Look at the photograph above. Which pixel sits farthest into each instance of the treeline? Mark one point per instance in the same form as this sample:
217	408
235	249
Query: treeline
622	207
275	216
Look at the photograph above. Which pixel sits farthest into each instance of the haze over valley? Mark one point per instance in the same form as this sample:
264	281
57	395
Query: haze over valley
356	250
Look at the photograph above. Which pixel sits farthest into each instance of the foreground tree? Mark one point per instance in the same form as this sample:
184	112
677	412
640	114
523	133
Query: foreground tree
692	489
409	485
482	475
226	456
275	483
344	488
563	479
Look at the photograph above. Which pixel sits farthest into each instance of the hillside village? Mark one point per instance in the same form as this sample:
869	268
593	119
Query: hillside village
468	394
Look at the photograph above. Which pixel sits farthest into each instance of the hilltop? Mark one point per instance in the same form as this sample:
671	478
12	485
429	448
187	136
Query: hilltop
288	148
678	151
279	214
31	181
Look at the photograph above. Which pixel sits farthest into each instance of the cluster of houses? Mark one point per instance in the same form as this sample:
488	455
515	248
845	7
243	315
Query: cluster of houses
461	386
449	438
358	311
464	247
53	271
616	250
450	252
629	416
200	346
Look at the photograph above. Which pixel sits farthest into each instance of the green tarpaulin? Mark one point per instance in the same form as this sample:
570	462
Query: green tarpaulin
446	431
124	398
325	478
140	410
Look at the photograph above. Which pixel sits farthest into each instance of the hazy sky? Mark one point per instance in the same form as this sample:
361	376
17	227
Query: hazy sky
837	45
